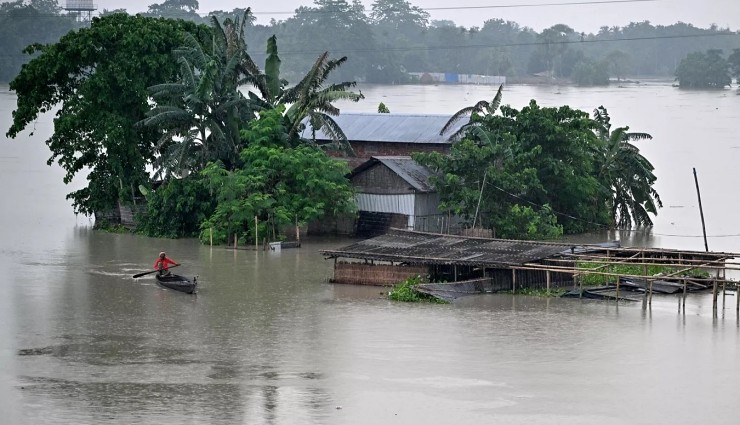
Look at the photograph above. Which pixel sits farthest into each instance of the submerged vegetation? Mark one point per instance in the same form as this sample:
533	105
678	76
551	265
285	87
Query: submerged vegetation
614	270
405	292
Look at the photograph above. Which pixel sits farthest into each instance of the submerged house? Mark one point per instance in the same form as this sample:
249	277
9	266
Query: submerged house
496	264
394	191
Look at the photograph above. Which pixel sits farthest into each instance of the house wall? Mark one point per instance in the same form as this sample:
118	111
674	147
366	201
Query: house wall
375	274
365	150
399	204
381	180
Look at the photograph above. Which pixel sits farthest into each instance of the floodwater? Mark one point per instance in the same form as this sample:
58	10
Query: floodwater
267	341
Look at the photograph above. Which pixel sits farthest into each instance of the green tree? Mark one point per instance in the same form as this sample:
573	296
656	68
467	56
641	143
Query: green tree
481	108
625	173
589	73
553	48
175	9
15	20
524	168
100	76
618	64
704	70
310	99
734	61
399	15
278	183
203	112
338	26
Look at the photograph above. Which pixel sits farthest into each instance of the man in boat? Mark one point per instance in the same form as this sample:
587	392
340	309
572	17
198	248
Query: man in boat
162	264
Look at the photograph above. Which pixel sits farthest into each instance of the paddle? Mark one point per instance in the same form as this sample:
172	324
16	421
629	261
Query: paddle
150	272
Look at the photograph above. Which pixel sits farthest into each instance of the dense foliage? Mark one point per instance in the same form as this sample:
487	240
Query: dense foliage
541	172
98	77
25	23
278	184
405	292
704	70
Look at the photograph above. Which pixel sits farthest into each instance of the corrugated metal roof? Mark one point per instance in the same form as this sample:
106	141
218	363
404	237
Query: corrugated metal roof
391	128
429	248
409	170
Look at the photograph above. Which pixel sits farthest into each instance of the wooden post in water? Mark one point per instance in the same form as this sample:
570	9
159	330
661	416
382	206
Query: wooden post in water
683	302
644	273
256	235
724	288
211	235
513	281
548	282
714	295
701	212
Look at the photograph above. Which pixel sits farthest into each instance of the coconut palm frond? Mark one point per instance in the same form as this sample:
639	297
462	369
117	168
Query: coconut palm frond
462	113
497	99
638	136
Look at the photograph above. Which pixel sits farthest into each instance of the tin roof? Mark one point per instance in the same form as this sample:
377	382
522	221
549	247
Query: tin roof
409	170
391	128
431	248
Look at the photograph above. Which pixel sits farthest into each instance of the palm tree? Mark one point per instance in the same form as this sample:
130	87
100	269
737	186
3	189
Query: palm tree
625	173
475	112
310	99
202	113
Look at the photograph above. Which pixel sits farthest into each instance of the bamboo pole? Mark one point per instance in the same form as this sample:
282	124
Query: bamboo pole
513	281
211	235
256	234
683	302
714	296
480	196
701	212
644	272
548	282
724	288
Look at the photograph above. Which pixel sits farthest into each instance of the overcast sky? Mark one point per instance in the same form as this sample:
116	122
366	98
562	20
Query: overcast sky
582	17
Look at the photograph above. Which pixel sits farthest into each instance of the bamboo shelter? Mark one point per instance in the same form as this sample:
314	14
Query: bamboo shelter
511	265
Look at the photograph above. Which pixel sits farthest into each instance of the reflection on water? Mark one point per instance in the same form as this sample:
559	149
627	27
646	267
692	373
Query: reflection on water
267	341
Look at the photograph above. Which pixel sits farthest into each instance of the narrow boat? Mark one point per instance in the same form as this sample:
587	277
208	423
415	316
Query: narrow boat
178	283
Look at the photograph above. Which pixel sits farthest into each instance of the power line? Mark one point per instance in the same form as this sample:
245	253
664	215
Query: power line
500	6
488	46
491	46
427	9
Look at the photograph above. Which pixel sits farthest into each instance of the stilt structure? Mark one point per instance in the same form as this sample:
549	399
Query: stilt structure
81	9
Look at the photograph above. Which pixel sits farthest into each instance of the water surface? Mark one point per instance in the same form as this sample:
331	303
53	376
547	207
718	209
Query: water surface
268	341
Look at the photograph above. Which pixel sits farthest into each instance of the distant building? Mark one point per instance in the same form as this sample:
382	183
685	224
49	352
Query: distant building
82	9
452	78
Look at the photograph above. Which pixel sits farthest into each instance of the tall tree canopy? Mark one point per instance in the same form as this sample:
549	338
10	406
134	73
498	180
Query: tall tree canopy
704	70
96	80
202	113
537	172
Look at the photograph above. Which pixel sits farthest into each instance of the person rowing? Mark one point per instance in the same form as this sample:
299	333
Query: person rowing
162	264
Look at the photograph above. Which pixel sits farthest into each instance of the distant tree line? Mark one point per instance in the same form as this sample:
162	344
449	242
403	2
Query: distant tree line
395	37
708	69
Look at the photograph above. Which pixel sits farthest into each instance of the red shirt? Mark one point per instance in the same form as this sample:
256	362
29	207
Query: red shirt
164	262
